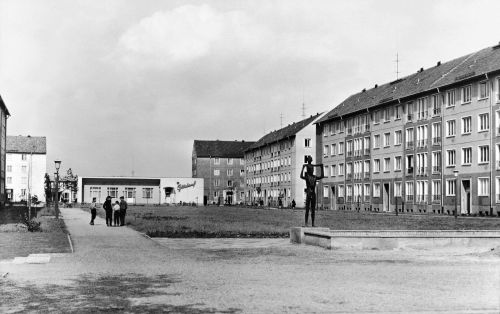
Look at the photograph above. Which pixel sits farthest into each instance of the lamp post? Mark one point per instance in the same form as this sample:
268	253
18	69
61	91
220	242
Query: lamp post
455	173
57	165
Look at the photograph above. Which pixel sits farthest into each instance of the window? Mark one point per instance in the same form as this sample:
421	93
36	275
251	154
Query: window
450	128
216	161
376	165
484	154
409	138
397	163
229	172
349	192
216	172
333	149
333	170
484	122
341	191
387	137
387	164
436	108
483	186
466	125
376	117
95	191
129	193
326	189
376	141
341	169
386	115
24	169
466	155
466	94
422	136
436	133
216	182
349	148
341	148
229	183
436	190
9	168
436	162
9	180
230	161
422	108
307	142
113	192
450	187
409	191
326	170
23	156
242	172
367	167
398	137
450	157
409	164
23	192
325	150
398	189
450	98
409	110
421	160
147	192
376	190
367	192
484	91
398	112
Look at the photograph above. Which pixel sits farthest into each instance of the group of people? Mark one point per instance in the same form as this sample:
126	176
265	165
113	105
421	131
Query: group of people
118	210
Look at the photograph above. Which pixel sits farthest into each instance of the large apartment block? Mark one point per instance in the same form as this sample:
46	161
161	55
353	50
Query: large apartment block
222	166
4	114
428	142
274	162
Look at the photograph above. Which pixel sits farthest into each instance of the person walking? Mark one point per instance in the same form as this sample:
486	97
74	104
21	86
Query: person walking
123	210
116	213
108	208
93	211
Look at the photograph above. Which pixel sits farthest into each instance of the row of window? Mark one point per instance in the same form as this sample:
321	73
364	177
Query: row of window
286	161
24	168
129	192
282	177
361	191
229	172
24	180
229	183
466	128
229	161
416	110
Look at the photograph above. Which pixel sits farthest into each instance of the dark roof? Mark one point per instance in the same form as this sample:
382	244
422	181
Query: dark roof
3	106
223	149
283	133
446	74
26	144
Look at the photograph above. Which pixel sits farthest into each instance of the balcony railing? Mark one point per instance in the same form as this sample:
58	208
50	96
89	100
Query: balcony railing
367	127
436	111
421	198
349	176
409	198
409	144
367	174
367	151
349	130
409	117
498	130
422	143
367	198
436	169
349	198
436	141
498	198
436	198
422	115
409	170
357	152
349	153
421	171
498	164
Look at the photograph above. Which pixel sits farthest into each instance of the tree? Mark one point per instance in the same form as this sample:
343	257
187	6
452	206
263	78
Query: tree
48	190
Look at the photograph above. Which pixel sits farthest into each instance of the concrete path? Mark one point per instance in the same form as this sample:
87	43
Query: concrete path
116	269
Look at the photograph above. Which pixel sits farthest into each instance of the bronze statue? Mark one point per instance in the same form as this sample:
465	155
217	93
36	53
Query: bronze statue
311	180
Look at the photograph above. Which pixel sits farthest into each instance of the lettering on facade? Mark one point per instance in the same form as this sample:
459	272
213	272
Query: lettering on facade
184	186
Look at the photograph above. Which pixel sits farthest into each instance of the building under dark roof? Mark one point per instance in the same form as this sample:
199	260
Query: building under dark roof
222	149
283	133
26	144
470	67
3	106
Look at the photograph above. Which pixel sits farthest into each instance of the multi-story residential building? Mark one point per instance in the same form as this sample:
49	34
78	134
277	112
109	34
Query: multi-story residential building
222	166
428	142
4	113
274	162
26	167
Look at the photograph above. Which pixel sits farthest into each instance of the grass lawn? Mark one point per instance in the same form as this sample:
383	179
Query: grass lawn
213	222
51	238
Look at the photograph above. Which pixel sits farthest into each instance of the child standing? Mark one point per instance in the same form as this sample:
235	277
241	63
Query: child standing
116	209
93	211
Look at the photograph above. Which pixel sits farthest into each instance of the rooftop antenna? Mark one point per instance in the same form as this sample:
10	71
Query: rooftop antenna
303	104
397	65
281	120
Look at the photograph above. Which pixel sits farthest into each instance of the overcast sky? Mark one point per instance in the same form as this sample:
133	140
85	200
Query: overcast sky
117	86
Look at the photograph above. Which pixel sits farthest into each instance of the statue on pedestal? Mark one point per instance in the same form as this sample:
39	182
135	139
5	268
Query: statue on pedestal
311	180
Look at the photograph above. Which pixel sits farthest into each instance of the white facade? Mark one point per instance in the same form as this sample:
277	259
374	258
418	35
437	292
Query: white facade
185	190
25	173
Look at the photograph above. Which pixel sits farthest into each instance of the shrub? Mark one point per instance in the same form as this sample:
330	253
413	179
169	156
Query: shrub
32	225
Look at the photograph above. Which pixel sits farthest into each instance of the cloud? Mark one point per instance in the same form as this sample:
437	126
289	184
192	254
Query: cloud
185	34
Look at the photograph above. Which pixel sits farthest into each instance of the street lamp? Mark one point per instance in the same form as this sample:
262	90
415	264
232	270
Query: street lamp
57	165
455	173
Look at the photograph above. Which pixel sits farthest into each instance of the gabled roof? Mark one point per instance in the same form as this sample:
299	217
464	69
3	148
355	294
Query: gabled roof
26	144
222	149
283	133
462	69
3	106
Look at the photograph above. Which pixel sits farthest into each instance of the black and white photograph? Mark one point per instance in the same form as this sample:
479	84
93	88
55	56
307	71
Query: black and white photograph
238	156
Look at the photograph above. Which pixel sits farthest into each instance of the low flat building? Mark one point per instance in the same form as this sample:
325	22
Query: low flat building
26	167
141	190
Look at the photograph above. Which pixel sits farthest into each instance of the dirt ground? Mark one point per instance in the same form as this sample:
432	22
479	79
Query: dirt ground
118	270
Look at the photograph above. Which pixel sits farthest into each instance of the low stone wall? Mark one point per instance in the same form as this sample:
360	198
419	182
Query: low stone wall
394	239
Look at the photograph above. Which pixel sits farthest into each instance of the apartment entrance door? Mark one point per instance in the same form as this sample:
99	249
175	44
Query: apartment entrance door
465	204
385	197
333	200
